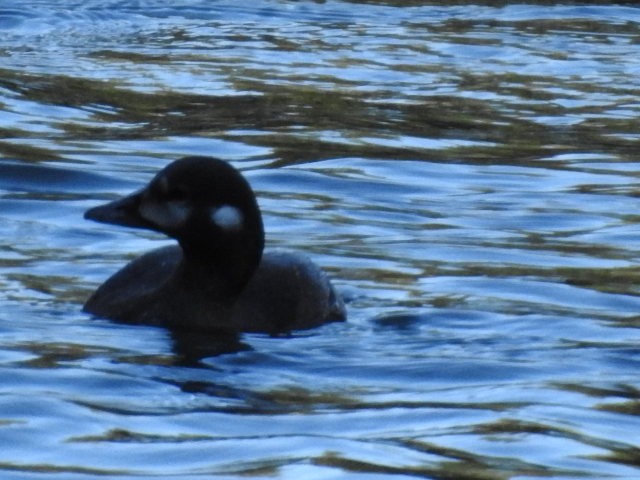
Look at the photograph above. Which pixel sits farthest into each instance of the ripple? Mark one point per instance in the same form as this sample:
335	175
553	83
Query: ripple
465	173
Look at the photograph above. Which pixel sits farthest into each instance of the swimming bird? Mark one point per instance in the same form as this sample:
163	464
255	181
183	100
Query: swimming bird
217	277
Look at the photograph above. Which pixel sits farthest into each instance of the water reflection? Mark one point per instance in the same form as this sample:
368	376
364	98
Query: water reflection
191	347
444	127
466	172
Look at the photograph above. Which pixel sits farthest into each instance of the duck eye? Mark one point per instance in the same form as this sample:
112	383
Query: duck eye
164	190
175	194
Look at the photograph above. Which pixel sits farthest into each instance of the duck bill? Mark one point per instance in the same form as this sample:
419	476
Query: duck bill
124	211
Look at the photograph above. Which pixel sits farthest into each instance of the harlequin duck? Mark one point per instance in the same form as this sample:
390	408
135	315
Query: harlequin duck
217	278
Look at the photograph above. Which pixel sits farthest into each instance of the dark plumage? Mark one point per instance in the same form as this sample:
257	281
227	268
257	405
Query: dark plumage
218	277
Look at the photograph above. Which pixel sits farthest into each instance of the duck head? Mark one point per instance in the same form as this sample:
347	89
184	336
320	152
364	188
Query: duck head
209	208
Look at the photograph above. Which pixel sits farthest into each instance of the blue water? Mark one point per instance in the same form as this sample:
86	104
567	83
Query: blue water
466	174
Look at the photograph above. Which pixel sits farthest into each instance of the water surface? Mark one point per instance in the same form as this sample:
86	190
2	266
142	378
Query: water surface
466	173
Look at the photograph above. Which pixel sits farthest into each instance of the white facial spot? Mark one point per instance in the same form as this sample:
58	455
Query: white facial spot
228	218
169	215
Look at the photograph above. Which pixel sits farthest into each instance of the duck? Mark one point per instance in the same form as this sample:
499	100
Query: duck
218	277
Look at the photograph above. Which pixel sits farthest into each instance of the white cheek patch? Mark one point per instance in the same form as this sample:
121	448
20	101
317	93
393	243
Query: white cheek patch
228	218
169	215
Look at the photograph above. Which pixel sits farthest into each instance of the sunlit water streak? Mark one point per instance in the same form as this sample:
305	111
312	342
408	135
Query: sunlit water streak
467	174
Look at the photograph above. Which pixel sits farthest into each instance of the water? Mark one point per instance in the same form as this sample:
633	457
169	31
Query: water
467	174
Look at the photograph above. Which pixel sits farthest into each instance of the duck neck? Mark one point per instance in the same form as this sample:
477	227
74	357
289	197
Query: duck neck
221	270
